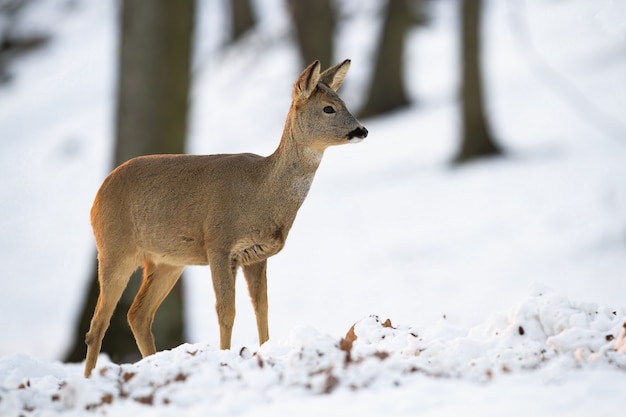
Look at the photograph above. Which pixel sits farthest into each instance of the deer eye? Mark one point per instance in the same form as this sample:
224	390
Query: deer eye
329	110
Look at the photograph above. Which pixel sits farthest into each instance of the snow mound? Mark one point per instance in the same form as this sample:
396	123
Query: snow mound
545	333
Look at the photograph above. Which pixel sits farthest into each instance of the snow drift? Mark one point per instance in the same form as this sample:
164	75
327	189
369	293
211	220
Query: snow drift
545	333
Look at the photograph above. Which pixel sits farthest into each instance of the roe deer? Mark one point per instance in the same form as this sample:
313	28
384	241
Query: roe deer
164	212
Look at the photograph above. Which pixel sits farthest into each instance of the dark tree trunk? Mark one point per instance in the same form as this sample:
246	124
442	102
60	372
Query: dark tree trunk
152	104
476	138
387	91
155	58
242	18
314	23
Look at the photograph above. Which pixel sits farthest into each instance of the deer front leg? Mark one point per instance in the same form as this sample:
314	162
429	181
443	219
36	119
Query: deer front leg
223	273
257	286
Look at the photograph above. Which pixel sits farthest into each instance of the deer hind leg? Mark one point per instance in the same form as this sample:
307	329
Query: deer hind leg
223	274
257	286
113	276
158	281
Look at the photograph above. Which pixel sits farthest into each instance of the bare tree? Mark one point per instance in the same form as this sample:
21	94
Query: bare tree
387	90
16	40
152	103
476	137
242	17
314	23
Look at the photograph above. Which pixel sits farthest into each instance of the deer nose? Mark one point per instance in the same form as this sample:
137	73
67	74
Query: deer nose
360	132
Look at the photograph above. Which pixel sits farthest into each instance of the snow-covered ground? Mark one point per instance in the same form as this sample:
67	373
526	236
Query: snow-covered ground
503	279
545	342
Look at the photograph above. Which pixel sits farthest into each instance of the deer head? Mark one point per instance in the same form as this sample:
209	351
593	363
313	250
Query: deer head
320	117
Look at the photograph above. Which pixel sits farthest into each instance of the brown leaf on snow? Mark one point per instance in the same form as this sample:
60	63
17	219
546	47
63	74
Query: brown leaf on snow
351	336
345	344
381	355
105	399
147	400
331	383
387	323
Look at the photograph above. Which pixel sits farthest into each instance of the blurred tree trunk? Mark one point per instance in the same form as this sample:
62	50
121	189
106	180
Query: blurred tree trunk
152	102
314	22
476	140
242	17
155	58
387	91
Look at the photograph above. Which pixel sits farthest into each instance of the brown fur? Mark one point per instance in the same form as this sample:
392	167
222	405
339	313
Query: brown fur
163	212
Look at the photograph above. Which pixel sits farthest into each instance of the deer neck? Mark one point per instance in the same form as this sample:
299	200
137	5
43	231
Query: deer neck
293	166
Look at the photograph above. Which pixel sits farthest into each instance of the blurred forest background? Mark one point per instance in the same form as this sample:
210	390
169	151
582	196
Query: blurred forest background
155	75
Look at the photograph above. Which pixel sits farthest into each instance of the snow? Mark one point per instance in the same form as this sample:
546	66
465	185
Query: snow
546	336
503	280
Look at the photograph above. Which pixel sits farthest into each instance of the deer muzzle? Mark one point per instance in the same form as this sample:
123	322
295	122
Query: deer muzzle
360	132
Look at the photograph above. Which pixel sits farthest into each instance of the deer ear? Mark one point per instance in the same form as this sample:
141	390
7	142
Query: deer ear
307	82
333	76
